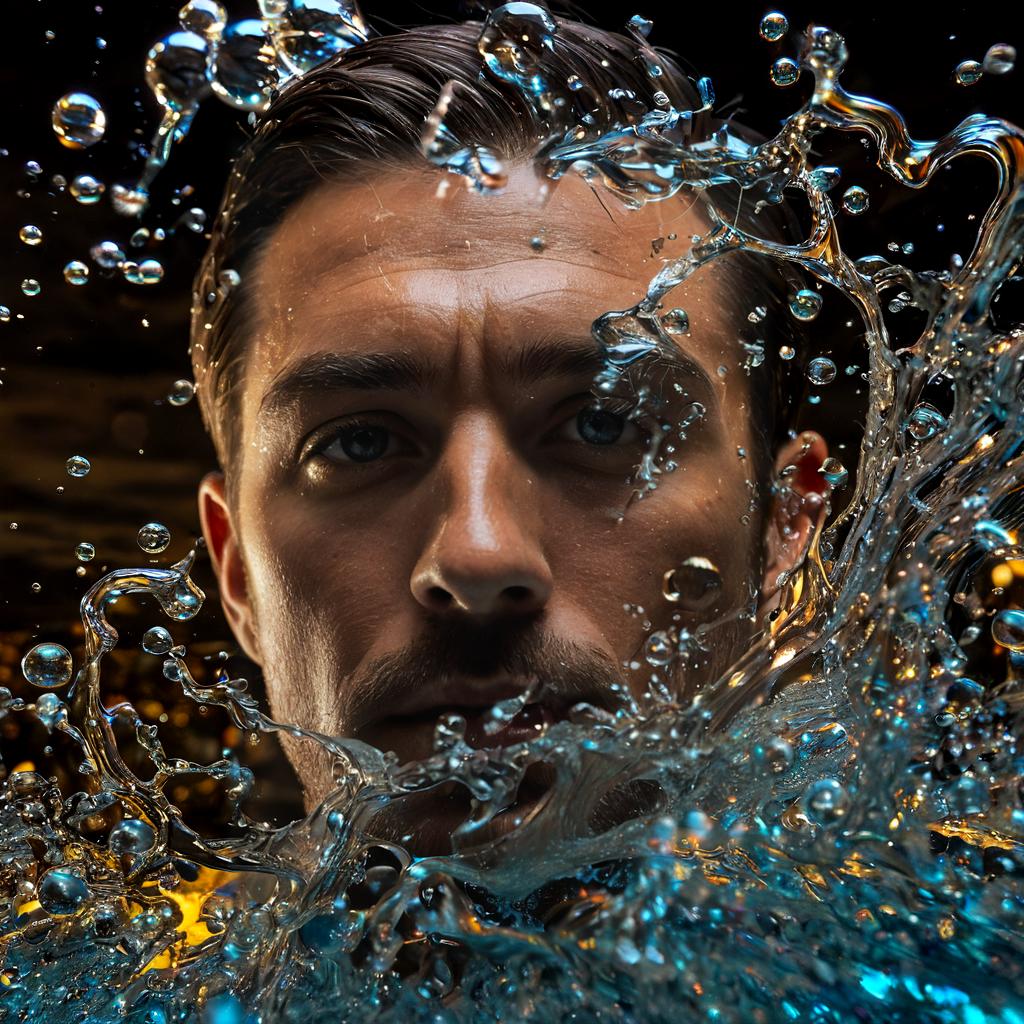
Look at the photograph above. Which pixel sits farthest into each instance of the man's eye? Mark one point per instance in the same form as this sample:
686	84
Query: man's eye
598	426
359	442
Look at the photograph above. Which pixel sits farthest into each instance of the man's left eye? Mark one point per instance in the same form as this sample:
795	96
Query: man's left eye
595	425
359	442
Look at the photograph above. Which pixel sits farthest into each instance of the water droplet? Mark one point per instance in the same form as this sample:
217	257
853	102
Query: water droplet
676	321
659	649
825	801
806	304
62	891
1008	629
537	243
31	287
856	199
774	26
228	279
834	472
181	392
78	465
108	255
177	71
925	422
786	352
777	754
85	552
140	236
245	72
5	315
76	273
146	272
47	665
204	17
785	72
757	314
30	234
129	202
154	538
87	190
78	120
36	588
999	59
968	72
305	33
195	220
821	371
824	178
694	585
132	836
513	42
157	640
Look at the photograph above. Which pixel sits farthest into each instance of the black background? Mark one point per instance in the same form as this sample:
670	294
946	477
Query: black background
83	374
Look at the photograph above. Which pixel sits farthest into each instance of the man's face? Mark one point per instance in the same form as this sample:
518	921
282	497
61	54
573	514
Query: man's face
430	508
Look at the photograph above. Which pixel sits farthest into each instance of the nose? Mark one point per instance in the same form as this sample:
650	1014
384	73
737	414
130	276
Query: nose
484	556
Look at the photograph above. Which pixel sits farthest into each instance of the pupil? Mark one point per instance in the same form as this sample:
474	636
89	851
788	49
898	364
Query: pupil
598	426
364	444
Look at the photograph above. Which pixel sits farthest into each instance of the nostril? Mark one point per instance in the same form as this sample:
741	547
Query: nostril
518	595
439	597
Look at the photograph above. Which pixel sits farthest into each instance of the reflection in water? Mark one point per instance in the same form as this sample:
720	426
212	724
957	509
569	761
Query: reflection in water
839	827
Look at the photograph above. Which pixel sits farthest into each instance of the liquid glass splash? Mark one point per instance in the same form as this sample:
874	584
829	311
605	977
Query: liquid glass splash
839	827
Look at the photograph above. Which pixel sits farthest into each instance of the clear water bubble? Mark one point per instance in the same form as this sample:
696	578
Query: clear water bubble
195	220
62	891
203	17
925	421
31	287
834	472
85	552
78	466
968	72
132	836
1008	629
659	650
824	178
47	665
777	755
76	273
785	72
786	352
147	272
825	801
30	234
305	33
177	71
87	190
774	25
181	392
5	314
108	255
695	585
78	120
856	199
676	321
999	59
512	44
806	304
821	371
157	640
139	237
246	70
154	538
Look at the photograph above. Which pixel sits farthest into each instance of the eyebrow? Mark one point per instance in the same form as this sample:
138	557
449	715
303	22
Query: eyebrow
543	359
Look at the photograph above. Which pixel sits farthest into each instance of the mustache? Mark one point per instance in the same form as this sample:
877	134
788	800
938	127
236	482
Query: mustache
456	649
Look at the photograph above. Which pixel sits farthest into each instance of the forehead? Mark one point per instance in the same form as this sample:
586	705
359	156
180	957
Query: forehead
415	260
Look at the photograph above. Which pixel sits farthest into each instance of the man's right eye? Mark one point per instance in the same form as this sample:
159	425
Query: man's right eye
358	442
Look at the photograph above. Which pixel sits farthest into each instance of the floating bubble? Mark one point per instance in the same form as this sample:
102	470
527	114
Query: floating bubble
78	120
925	422
834	472
305	33
108	255
181	392
825	801
146	272
154	538
999	59
30	234
76	273
774	26
824	178
177	71
968	72
245	72
806	304
694	585
5	315
139	237
777	755
203	17
785	71
821	371
195	220
856	199
78	465
87	190
1008	629
659	649
85	552
132	836
47	665
62	891
31	287
157	640
676	321
786	352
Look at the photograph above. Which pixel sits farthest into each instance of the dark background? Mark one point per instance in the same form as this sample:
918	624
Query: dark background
86	370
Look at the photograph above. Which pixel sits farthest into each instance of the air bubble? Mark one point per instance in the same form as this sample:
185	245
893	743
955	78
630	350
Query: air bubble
146	272
154	538
774	26
78	466
968	72
1008	629
76	273
659	649
821	371
108	255
181	392
825	801
30	234
85	552
785	72
78	120
87	190
31	287
131	836
62	891
47	665
806	304
856	199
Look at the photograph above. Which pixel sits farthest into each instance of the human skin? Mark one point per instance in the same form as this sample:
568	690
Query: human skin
493	509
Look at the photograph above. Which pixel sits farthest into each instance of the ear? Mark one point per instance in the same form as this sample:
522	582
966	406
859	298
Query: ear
796	511
226	555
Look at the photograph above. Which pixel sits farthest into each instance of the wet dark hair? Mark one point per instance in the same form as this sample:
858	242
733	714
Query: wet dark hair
364	111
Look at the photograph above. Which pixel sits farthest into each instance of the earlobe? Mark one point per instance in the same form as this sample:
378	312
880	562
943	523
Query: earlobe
226	556
796	511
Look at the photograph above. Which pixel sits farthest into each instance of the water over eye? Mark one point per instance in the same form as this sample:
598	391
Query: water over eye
599	426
